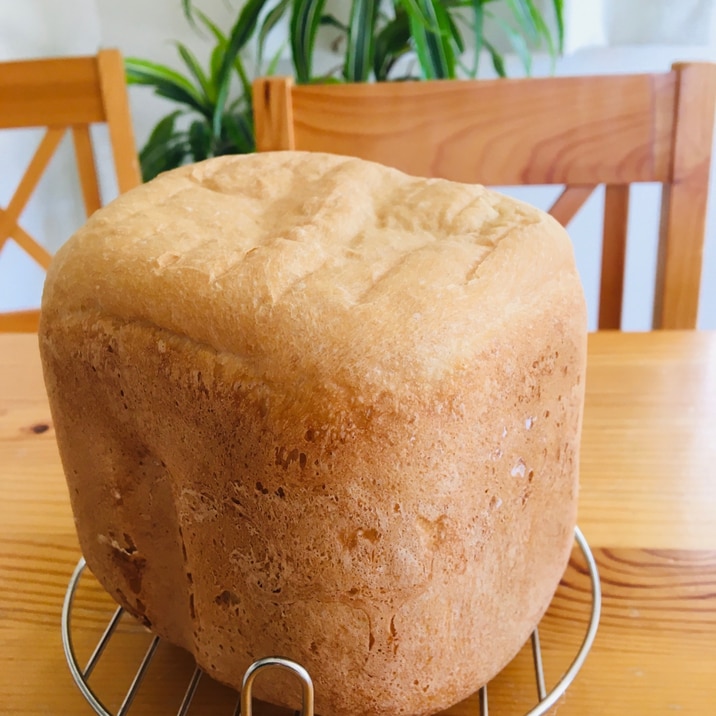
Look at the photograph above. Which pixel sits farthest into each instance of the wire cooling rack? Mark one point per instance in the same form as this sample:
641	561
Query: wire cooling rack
243	706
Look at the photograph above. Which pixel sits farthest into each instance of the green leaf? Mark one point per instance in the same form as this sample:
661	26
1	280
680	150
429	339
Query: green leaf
478	27
542	29
196	69
164	129
523	15
326	80
240	34
240	133
211	26
146	72
243	76
161	156
217	55
456	34
334	22
436	57
392	42
446	37
305	20
270	21
416	12
497	62
166	83
273	63
169	91
533	26
188	9
519	44
200	143
558	6
361	34
237	103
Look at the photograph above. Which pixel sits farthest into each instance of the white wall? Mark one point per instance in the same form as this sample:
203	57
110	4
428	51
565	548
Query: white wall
146	28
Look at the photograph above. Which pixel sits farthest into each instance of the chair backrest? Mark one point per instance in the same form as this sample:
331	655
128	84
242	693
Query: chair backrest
577	131
64	94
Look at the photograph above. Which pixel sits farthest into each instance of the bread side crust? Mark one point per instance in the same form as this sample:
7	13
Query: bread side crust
385	549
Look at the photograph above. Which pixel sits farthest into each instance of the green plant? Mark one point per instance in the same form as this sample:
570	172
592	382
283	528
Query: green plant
380	40
210	121
437	33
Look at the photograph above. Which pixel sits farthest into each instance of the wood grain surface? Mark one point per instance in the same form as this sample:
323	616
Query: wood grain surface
613	129
647	505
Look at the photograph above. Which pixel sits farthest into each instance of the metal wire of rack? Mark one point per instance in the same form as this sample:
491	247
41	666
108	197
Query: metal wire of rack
243	705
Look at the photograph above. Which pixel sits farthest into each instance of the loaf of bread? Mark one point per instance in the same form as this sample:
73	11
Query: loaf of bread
311	407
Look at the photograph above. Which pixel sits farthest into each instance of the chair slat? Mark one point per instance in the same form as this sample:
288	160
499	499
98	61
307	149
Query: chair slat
614	241
683	215
117	115
528	131
30	178
42	93
86	168
570	201
273	114
20	321
31	246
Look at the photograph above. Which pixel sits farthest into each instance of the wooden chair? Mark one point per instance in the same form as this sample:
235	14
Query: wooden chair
576	131
66	94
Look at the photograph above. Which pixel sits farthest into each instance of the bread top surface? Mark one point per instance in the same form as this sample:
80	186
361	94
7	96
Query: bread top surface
320	270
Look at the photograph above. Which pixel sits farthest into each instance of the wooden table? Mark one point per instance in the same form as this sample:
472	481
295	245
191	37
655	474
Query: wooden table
648	508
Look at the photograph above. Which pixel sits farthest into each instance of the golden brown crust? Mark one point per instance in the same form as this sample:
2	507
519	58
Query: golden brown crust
313	407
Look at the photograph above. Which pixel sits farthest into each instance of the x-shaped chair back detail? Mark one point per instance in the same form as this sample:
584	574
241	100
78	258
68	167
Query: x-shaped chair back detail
63	95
